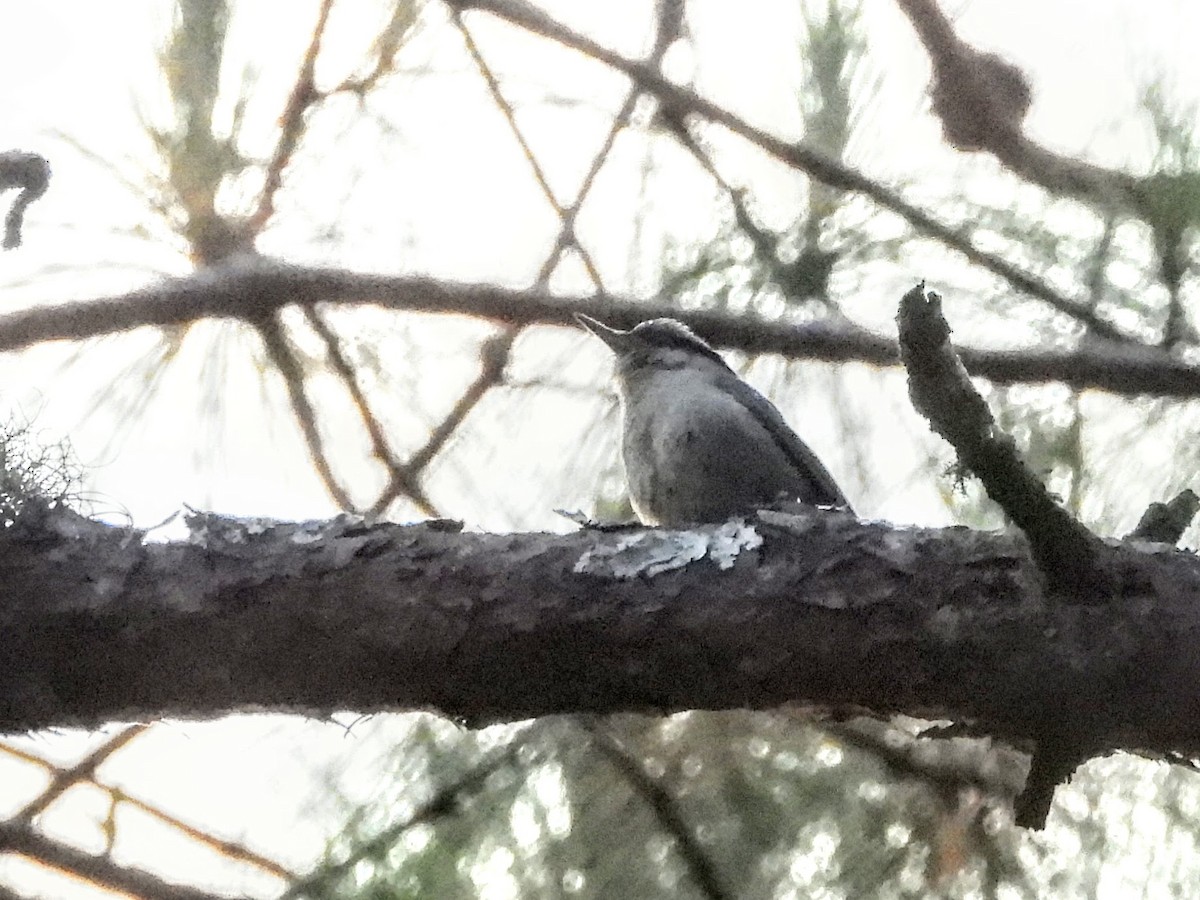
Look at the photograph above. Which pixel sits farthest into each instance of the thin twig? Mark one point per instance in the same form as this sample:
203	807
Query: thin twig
665	809
84	770
25	841
902	755
230	849
404	15
763	242
118	796
280	353
680	101
399	474
444	802
291	123
539	174
493	359
30	173
567	236
670	23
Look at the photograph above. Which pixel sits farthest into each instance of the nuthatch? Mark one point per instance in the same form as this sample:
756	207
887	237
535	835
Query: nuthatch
699	444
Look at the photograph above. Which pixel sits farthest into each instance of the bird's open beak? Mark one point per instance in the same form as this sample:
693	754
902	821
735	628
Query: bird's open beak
617	341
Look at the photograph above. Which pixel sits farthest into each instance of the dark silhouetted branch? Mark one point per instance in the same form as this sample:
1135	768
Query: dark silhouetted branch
680	102
982	99
665	809
1165	523
249	289
941	390
30	173
27	842
813	608
1053	762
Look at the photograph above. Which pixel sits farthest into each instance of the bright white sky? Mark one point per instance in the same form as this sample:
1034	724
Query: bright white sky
76	67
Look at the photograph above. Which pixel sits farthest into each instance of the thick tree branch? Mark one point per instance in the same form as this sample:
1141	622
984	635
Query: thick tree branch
251	289
291	123
1077	566
447	800
280	352
813	608
1074	561
665	808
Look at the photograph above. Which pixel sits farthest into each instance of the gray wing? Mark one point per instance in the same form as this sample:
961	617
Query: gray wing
825	490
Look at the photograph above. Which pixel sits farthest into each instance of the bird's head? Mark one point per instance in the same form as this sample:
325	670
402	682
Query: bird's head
654	345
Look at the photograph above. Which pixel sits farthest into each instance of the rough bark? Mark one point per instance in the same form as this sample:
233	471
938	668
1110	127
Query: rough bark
812	608
1069	555
1075	565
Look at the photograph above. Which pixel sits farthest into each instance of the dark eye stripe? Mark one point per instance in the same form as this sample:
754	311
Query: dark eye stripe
675	335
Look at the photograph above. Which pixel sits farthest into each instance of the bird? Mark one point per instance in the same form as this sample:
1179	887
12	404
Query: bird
698	443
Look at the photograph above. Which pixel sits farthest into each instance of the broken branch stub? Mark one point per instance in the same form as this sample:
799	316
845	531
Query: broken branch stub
30	173
1067	553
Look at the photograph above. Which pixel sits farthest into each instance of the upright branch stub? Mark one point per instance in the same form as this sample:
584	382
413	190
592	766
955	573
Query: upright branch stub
1068	555
980	98
30	173
1165	523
